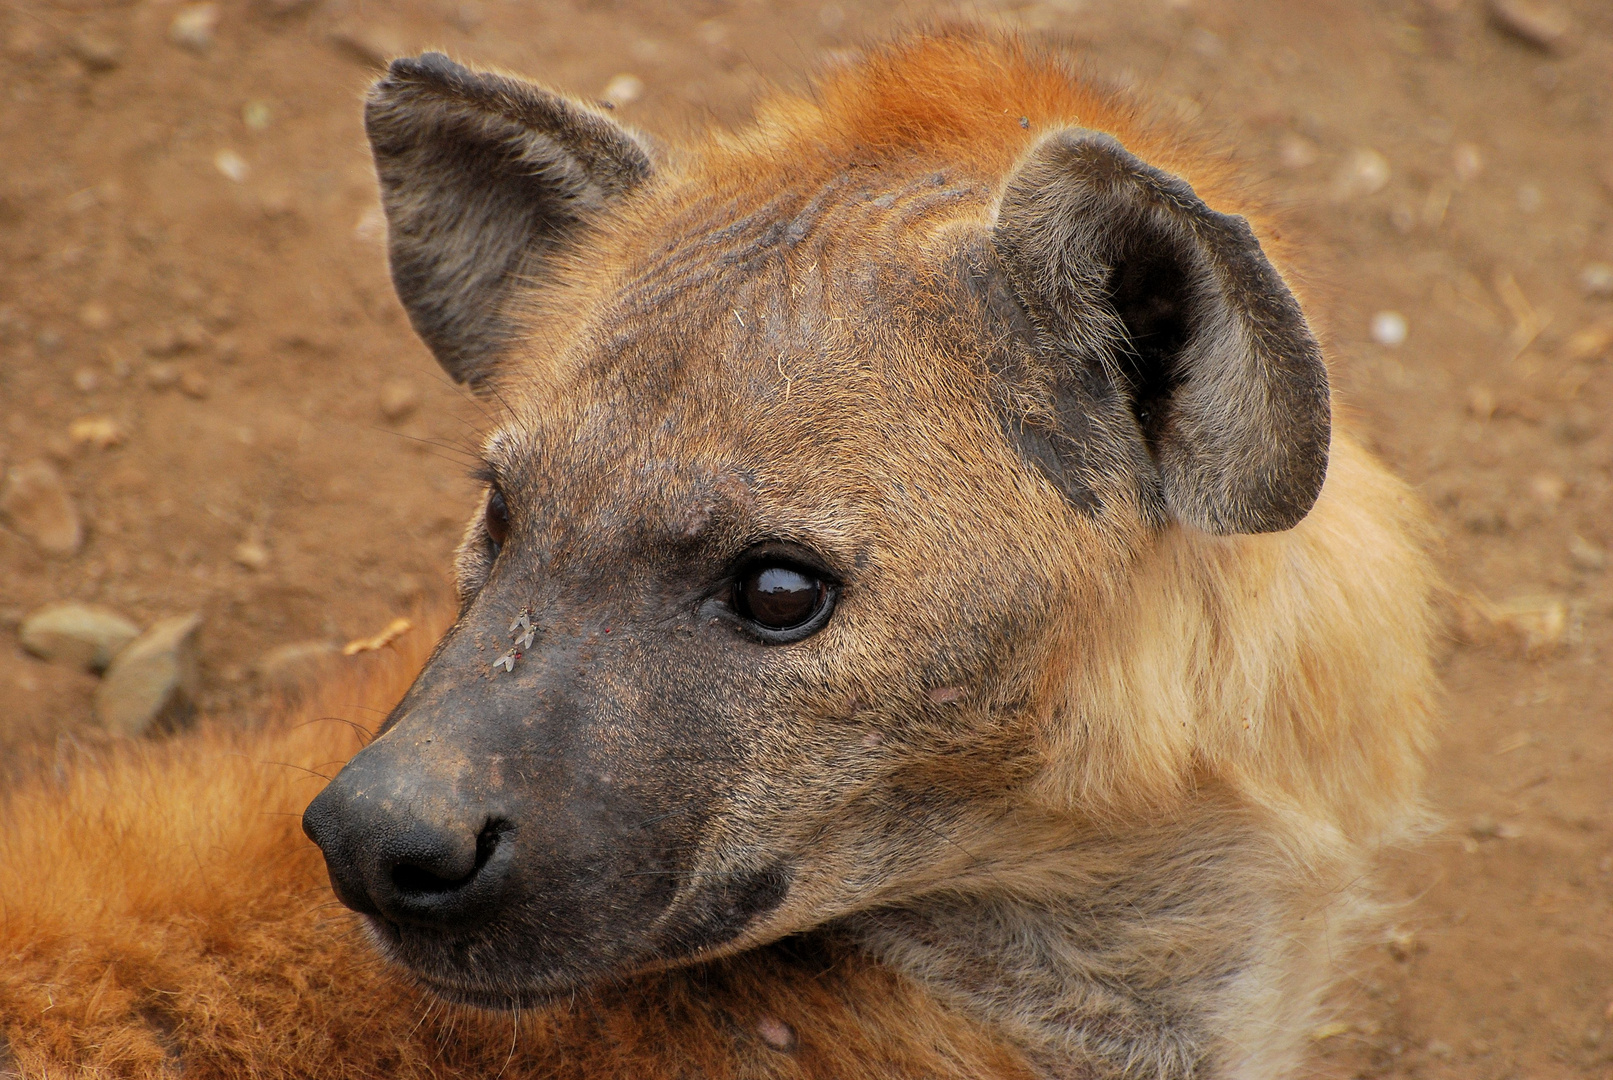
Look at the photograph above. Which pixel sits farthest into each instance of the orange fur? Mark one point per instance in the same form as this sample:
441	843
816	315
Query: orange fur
160	910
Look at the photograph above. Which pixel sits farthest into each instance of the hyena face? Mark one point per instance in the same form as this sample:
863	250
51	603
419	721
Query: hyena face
812	473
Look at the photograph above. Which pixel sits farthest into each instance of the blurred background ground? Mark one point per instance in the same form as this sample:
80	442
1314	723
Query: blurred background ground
199	344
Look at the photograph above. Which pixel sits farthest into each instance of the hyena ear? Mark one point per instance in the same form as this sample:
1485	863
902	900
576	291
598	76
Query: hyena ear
482	178
1121	264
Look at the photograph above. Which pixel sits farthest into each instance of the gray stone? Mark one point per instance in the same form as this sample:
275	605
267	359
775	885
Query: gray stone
153	682
83	635
35	502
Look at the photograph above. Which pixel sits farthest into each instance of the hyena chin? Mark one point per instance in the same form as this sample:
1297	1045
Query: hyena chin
916	517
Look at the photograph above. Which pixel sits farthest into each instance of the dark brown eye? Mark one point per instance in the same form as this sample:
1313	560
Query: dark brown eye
779	597
497	518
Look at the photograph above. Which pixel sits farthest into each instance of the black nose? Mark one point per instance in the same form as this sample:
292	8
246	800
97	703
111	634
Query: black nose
414	861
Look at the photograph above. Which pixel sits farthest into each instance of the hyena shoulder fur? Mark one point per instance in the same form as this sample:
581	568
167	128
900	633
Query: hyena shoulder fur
924	620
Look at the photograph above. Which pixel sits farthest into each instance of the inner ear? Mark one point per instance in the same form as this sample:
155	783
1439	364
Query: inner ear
485	180
1131	277
1148	289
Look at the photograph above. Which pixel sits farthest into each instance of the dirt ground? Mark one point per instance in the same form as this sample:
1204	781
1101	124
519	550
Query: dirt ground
190	246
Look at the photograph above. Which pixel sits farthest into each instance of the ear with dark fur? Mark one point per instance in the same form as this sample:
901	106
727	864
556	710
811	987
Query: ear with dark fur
481	177
1122	265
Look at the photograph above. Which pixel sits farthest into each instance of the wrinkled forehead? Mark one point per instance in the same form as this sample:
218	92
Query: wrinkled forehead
748	360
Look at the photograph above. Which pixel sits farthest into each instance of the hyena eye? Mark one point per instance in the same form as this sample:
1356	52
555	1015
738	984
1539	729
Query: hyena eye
497	518
781	598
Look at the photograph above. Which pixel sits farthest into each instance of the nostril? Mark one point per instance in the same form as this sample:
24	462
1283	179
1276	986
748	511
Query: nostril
412	879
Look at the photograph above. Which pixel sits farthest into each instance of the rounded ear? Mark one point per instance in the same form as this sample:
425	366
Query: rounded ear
483	177
1115	259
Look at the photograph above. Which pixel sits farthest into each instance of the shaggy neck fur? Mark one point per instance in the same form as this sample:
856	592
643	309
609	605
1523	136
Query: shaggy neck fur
1145	954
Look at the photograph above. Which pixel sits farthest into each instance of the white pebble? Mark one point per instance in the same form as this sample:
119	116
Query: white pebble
1389	328
1597	279
231	165
1364	172
193	27
623	90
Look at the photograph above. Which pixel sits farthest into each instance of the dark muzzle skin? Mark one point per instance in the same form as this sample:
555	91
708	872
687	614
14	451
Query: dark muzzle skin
513	834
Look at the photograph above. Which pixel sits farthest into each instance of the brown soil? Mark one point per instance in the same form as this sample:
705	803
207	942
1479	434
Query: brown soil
124	244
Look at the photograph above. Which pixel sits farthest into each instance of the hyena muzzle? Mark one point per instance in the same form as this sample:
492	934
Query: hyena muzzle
907	517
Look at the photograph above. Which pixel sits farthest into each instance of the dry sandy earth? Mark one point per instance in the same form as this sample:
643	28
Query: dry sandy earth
1440	169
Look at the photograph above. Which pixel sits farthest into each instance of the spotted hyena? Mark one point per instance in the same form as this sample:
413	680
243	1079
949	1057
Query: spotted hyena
916	533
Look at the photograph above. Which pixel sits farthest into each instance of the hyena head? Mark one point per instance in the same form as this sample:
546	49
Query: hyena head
825	448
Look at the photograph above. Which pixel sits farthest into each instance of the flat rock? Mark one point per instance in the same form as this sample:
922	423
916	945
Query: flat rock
153	682
35	502
1543	25
83	635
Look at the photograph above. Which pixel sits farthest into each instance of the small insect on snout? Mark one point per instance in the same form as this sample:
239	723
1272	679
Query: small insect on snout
522	632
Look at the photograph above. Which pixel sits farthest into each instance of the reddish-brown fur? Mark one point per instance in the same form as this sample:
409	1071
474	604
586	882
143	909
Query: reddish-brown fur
161	912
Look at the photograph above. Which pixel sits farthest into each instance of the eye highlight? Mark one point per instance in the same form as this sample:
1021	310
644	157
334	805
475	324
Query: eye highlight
782	600
496	518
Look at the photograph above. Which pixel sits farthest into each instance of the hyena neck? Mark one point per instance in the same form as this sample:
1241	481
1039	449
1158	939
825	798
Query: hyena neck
1171	955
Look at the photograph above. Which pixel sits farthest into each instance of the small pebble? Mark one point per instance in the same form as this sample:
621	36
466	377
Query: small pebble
1542	25
164	342
1389	328
1596	279
623	89
1590	343
1549	488
399	398
96	51
101	432
1585	554
87	636
86	381
95	315
256	115
193	384
251	554
1297	152
194	26
153	682
162	376
1467	162
1365	172
190	334
35	502
371	225
231	165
